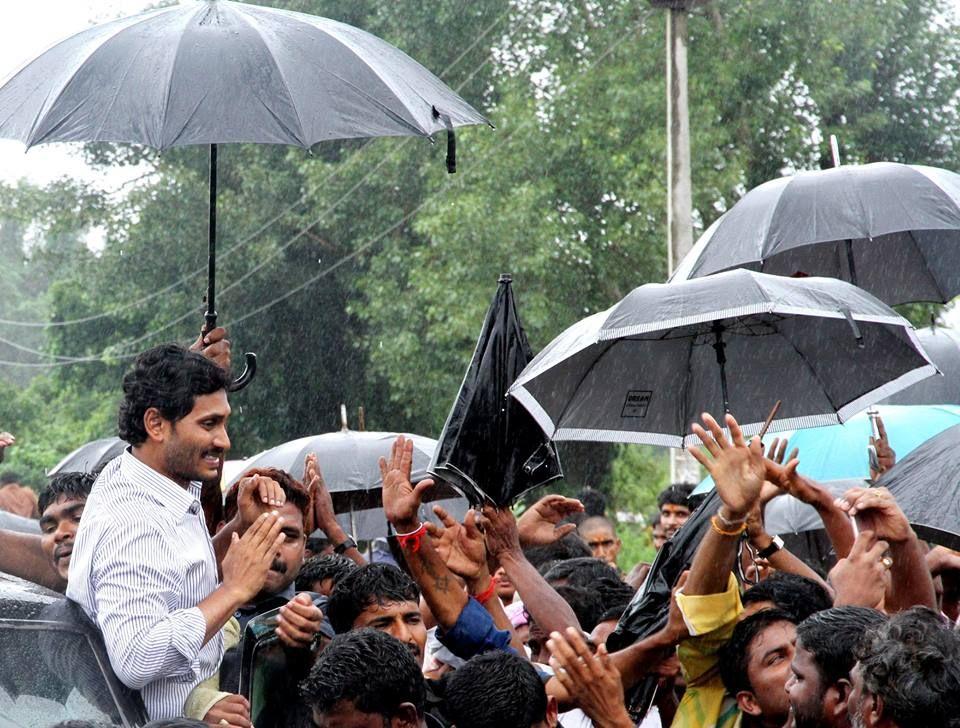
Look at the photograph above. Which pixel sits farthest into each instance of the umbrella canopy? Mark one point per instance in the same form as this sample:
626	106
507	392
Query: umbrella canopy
91	457
926	485
217	71
644	369
943	348
491	449
892	229
839	452
371	523
786	514
349	462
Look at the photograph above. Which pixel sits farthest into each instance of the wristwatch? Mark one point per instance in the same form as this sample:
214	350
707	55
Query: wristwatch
341	548
775	545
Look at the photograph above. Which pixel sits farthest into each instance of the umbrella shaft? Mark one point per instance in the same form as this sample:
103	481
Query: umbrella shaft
720	348
210	317
851	266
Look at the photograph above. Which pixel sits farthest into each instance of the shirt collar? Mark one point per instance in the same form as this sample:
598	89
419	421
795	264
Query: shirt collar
159	487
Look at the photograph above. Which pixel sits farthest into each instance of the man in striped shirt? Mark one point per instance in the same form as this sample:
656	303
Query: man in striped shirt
143	565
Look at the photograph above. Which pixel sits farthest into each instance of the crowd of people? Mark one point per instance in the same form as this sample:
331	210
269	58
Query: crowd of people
490	622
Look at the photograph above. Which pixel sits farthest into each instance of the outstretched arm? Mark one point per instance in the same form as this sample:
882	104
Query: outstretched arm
324	516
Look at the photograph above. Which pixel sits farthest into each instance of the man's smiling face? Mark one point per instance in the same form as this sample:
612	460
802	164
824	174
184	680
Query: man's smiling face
58	529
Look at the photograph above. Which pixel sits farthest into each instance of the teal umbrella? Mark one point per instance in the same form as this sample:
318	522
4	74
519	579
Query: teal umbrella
839	452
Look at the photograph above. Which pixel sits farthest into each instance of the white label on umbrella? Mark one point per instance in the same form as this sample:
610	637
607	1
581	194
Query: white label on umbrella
637	403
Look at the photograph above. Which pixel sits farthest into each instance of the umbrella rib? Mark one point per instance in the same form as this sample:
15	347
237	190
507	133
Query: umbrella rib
589	369
813	371
167	93
926	265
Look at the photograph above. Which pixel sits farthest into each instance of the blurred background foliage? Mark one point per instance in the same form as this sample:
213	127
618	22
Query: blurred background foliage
360	272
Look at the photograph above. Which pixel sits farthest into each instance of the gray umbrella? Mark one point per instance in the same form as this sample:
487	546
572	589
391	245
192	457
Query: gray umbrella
90	457
892	229
646	368
216	71
926	485
943	348
349	462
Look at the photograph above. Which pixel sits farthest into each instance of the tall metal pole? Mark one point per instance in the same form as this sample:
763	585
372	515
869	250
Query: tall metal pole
683	468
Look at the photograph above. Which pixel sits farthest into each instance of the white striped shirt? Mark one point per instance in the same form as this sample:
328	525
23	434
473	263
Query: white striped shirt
141	563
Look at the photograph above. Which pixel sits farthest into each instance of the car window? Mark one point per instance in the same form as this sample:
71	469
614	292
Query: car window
50	675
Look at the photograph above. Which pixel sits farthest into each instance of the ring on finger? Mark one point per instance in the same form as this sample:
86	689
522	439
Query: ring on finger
887	562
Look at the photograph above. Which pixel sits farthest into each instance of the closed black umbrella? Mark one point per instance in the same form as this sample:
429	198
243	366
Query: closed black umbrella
892	229
491	449
926	485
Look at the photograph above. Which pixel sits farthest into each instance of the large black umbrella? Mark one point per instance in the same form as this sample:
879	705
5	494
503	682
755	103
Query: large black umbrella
646	368
943	349
491	449
892	229
926	485
214	72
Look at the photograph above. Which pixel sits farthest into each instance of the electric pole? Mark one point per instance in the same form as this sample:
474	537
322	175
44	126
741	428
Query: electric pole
683	468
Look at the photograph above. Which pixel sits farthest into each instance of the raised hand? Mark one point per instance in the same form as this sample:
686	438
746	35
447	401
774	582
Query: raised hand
249	557
299	622
591	680
460	545
255	495
215	346
737	469
324	516
876	510
886	457
539	524
401	499
500	531
862	578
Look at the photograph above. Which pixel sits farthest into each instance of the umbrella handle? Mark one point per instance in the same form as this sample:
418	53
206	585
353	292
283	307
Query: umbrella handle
249	371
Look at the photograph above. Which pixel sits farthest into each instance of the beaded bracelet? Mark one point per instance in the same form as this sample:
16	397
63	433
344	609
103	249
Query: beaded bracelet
715	525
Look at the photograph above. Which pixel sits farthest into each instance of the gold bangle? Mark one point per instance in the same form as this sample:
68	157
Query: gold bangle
715	525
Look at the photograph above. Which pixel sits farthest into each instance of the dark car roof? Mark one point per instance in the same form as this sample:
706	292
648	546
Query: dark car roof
21	599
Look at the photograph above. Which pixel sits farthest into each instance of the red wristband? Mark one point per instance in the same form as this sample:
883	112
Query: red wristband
484	596
413	539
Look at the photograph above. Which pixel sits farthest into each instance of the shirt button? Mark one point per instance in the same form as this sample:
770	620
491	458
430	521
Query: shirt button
194	508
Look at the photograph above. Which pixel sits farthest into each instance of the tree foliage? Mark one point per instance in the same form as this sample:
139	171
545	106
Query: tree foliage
390	263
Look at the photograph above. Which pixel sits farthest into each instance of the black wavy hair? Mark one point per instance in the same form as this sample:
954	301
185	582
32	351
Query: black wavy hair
368	668
317	568
367	585
493	690
912	661
677	494
832	636
792	593
570	546
65	485
735	654
169	378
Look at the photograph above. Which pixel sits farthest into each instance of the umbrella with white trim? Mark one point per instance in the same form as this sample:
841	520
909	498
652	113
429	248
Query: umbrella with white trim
646	368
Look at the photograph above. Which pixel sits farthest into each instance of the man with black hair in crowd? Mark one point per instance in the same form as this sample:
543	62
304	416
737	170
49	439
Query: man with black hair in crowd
755	666
320	574
143	566
381	597
797	595
907	674
366	679
498	689
820	683
673	506
45	559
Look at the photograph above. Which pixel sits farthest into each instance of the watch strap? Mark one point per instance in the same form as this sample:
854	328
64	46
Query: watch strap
775	545
342	548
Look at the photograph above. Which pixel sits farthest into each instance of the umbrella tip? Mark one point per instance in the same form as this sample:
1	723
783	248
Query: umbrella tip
344	425
505	278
